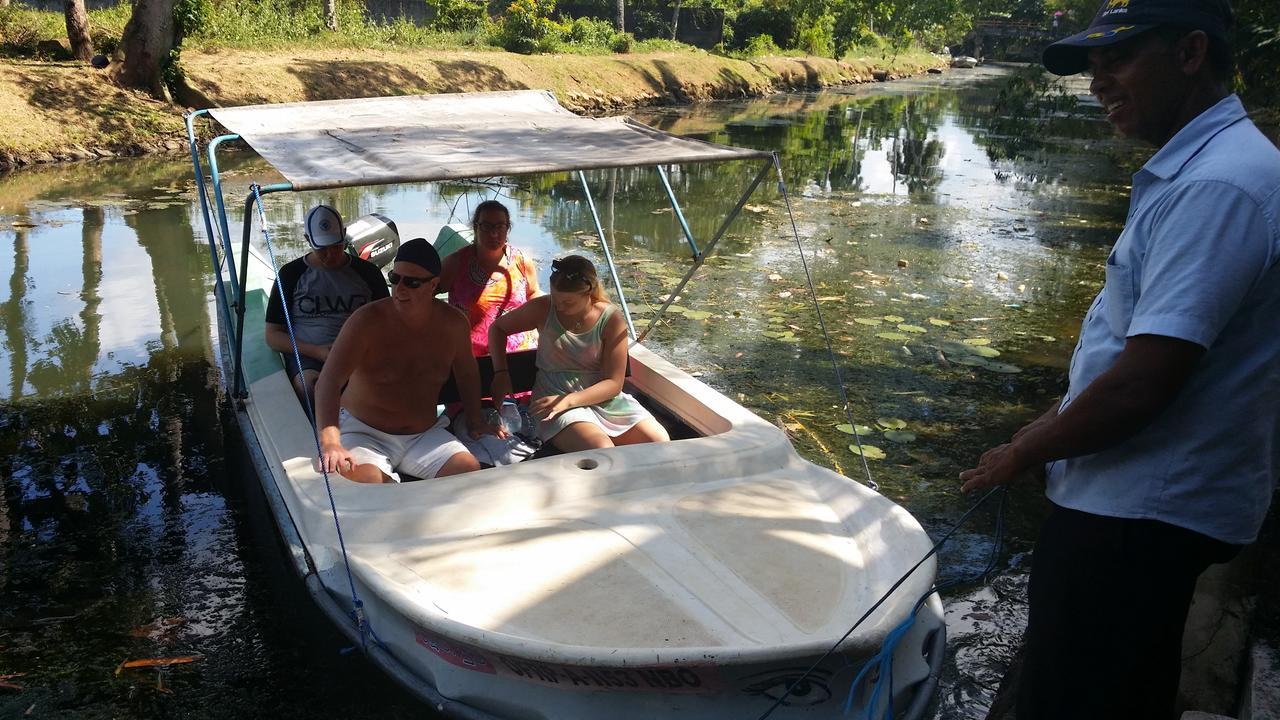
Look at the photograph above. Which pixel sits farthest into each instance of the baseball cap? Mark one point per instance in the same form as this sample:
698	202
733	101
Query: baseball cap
419	252
324	227
1119	20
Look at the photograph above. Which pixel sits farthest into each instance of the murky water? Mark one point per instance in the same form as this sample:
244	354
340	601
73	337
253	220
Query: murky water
954	227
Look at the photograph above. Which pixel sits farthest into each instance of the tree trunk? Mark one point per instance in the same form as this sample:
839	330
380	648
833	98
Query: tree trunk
331	14
78	29
675	20
148	39
622	13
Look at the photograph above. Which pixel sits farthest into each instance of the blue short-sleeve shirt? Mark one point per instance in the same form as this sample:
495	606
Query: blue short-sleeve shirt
1197	260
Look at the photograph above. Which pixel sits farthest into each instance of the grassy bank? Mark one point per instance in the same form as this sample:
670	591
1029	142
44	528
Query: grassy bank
55	111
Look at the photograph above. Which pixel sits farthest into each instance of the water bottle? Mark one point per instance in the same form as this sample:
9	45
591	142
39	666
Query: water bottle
510	416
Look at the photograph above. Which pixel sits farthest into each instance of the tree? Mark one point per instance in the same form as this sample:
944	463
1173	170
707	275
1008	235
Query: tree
148	41
622	12
78	29
331	14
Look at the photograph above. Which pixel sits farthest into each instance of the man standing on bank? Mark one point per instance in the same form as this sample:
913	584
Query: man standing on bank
393	356
1163	456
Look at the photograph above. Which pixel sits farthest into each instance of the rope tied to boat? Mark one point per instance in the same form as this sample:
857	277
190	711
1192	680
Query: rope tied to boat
364	628
884	659
822	323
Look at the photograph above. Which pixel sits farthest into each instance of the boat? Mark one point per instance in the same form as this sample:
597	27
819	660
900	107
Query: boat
714	576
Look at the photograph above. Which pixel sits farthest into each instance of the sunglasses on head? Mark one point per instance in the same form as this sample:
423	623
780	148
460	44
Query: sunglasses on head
413	283
559	272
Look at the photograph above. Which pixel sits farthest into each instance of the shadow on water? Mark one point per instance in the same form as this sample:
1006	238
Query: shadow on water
954	232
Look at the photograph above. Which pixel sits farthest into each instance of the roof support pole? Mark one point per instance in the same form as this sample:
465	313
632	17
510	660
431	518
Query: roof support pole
675	206
222	209
701	258
220	290
241	388
608	256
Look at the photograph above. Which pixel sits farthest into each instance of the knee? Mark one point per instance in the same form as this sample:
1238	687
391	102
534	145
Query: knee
462	462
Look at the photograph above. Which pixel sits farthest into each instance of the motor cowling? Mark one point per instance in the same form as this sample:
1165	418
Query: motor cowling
374	237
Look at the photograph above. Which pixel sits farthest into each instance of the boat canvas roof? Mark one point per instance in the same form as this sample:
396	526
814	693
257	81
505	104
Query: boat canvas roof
421	138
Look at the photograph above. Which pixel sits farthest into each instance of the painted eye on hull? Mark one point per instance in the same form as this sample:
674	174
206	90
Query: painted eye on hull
805	690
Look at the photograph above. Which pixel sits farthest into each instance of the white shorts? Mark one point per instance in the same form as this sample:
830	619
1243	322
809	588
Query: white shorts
419	454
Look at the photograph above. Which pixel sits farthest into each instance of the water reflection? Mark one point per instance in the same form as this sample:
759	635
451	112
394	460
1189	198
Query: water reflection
127	529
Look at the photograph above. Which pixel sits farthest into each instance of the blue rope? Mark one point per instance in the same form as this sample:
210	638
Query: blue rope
932	551
884	659
357	614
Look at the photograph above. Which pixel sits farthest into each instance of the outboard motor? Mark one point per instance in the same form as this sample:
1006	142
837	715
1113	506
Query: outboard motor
374	238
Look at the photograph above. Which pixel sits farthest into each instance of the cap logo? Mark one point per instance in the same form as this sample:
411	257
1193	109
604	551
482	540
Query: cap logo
1113	4
1110	33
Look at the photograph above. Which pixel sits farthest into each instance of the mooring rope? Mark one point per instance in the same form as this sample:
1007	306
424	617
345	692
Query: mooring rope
363	626
995	553
822	323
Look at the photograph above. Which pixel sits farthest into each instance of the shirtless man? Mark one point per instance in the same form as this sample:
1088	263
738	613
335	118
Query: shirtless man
394	355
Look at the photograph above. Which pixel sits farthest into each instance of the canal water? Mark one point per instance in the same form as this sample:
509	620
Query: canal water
954	228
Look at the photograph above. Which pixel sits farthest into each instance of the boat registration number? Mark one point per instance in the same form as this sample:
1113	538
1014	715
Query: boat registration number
657	678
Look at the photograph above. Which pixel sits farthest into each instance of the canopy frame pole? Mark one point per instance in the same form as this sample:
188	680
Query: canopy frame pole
241	389
220	289
700	259
222	209
608	256
675	206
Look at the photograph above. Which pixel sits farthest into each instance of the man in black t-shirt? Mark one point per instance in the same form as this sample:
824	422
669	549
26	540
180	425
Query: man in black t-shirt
323	287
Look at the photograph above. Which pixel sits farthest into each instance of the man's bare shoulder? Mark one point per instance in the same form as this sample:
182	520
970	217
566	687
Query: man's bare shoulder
371	315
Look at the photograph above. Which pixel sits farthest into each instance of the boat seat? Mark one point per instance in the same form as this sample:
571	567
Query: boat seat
522	364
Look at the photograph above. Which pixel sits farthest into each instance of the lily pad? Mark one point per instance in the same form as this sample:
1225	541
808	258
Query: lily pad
784	335
985	351
976	342
969	360
911	328
891	423
848	429
870	452
899	436
677	309
939	322
868	321
1001	367
894	318
697	314
893	336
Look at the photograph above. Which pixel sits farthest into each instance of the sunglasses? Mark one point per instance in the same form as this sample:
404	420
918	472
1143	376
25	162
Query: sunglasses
490	227
413	283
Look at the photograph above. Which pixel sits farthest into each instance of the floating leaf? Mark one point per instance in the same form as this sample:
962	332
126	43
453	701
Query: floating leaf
893	336
899	436
677	309
848	429
976	342
892	423
895	318
697	314
1048	338
939	322
968	360
1001	367
868	321
911	328
870	452
985	351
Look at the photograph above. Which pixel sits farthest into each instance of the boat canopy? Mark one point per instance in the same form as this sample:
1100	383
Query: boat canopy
421	138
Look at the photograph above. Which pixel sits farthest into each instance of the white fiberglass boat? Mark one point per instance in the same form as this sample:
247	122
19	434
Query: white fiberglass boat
707	577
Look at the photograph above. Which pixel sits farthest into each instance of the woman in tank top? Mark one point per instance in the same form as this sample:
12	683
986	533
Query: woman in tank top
490	277
582	362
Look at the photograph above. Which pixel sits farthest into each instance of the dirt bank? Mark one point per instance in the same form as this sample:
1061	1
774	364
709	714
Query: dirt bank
56	111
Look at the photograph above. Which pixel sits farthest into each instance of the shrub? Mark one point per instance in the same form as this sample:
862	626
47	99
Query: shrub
761	45
818	36
458	15
756	20
623	42
590	32
527	27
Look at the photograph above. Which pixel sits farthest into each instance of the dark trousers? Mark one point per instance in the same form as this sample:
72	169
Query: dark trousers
1109	600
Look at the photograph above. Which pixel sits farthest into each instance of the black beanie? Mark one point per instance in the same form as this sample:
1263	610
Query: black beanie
419	252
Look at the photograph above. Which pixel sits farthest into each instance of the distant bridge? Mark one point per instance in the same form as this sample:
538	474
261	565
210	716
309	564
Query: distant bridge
1001	38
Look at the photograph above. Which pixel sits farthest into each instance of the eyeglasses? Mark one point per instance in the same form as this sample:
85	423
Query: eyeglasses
411	282
491	227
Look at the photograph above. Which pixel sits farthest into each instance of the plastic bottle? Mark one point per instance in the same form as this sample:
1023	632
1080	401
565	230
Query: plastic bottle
510	415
